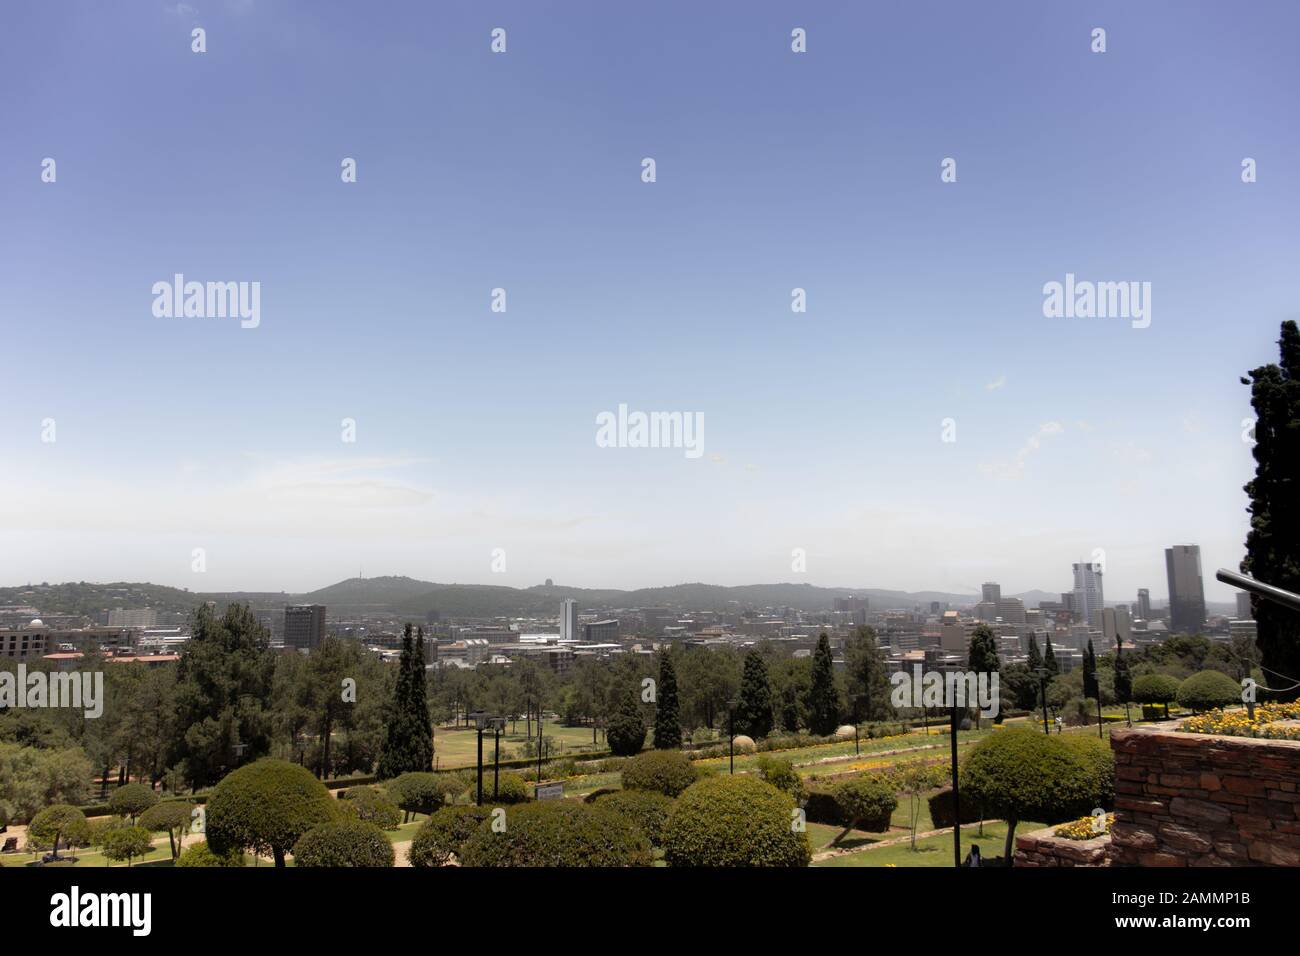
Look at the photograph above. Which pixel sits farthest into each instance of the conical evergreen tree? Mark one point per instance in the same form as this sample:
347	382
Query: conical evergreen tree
823	699
754	708
626	731
982	656
1049	660
395	752
1090	686
421	726
1273	542
1035	660
867	676
668	724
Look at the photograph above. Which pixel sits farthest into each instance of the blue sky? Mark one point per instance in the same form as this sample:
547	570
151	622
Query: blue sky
775	170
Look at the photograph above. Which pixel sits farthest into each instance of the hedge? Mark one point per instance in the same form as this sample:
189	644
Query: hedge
348	843
558	833
443	835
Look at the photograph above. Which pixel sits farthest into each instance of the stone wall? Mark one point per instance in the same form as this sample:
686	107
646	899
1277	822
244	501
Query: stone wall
1203	800
1041	848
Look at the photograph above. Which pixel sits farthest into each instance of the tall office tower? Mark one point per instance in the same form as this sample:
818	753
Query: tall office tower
992	593
569	620
1186	590
1243	607
1144	604
304	626
1087	591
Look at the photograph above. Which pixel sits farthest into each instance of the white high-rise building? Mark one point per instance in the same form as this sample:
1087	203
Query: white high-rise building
1088	597
569	620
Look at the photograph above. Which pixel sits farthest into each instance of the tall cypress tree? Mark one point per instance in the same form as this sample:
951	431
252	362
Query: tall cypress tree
1049	660
754	709
1090	685
668	724
421	726
1273	542
395	754
866	674
823	700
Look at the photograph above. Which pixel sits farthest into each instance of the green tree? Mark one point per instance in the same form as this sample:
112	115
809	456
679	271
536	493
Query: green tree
626	731
265	807
982	655
1090	687
126	843
1156	689
132	800
171	817
867	677
668	724
408	743
1273	542
1034	658
753	714
1208	689
823	699
344	843
59	822
1049	659
1123	680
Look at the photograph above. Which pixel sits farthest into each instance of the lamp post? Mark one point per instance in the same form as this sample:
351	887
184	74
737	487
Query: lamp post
1042	673
731	732
480	718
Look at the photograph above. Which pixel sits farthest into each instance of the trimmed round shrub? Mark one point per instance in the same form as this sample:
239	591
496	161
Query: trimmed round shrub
511	788
845	732
865	803
172	817
265	807
1155	689
664	771
626	732
1019	774
131	800
559	833
59	825
744	744
1096	756
441	837
99	828
200	854
424	792
371	805
127	843
1207	690
347	843
646	809
734	821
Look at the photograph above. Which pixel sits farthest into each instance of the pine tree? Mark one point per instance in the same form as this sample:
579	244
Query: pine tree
823	699
1035	660
421	726
866	674
754	708
668	724
1273	542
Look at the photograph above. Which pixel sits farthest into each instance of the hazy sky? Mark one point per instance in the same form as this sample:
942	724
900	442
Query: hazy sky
475	429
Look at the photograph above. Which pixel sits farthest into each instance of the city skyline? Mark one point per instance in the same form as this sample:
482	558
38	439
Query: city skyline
134	439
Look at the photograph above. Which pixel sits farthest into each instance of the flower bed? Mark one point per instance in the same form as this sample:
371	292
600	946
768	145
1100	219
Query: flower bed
1271	722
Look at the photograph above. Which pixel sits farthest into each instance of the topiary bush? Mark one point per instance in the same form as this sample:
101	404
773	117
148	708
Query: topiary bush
734	821
60	824
371	805
664	771
511	788
1019	774
441	837
559	833
1206	690
422	792
646	809
781	774
131	800
265	807
347	843
200	854
172	817
865	803
1155	689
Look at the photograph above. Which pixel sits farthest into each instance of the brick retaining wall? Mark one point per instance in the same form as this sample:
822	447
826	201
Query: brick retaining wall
1204	800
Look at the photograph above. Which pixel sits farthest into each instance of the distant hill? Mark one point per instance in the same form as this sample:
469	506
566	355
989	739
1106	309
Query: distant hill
406	595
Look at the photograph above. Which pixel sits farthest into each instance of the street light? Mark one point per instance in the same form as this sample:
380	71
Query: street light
480	718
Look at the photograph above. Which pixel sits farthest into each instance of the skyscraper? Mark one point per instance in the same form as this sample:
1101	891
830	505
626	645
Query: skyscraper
1243	607
304	626
569	620
992	593
1143	608
1088	598
1186	590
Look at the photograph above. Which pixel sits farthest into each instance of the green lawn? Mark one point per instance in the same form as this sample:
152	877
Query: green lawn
931	851
458	747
